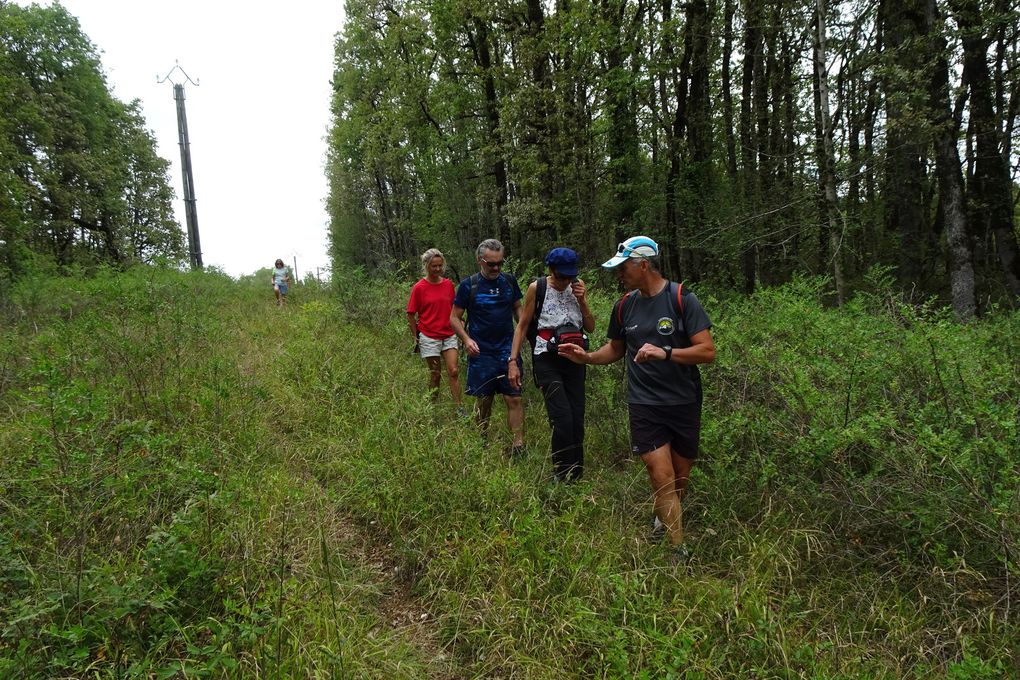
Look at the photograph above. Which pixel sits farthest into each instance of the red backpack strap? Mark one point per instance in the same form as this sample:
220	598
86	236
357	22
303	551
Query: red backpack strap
680	307
619	307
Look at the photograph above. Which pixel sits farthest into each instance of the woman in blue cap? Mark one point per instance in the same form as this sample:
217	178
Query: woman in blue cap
556	310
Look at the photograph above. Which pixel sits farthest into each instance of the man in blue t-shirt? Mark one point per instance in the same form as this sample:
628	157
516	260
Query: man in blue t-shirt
492	300
664	333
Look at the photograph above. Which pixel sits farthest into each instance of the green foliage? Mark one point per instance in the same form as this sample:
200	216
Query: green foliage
148	526
580	123
198	483
816	520
80	181
889	424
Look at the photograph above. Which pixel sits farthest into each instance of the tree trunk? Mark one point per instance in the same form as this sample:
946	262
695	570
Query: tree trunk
699	130
824	148
991	197
948	166
673	137
905	148
623	133
749	139
483	57
542	132
727	94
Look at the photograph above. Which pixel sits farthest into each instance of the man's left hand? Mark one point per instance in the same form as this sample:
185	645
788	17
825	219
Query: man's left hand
649	352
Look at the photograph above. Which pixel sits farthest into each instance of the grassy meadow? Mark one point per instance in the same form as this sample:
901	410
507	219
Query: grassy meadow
198	484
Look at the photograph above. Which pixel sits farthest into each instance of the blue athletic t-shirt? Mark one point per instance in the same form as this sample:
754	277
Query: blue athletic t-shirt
491	313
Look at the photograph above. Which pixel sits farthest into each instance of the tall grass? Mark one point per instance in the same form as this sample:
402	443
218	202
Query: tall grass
201	483
153	523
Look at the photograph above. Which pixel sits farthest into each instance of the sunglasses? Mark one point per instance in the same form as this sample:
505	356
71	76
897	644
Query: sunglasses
624	249
493	265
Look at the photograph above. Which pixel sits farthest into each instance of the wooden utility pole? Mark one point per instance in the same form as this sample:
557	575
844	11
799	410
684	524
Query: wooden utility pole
190	211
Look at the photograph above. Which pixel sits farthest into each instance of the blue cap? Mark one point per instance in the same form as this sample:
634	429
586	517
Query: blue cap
563	260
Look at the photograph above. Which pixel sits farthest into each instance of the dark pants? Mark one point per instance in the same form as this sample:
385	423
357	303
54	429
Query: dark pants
562	385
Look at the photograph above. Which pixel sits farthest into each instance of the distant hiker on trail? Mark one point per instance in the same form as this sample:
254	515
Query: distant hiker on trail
492	300
664	332
556	310
428	316
281	278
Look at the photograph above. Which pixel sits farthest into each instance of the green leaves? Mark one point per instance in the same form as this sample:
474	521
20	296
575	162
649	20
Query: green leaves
80	181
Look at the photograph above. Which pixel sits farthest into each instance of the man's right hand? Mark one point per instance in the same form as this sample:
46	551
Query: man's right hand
513	374
573	352
472	348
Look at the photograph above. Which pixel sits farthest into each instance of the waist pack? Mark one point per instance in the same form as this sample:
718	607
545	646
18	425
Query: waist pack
569	333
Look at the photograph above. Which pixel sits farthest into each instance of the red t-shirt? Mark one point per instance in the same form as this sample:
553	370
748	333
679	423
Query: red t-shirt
432	302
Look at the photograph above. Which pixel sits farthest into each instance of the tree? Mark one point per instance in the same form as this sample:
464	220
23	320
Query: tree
81	182
947	163
824	147
991	196
579	122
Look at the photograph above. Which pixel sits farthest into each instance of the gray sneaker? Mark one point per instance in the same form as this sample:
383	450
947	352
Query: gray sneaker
681	556
658	531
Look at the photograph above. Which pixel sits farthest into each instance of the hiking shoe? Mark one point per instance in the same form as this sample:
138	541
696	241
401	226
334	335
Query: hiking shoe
517	452
680	556
463	413
658	531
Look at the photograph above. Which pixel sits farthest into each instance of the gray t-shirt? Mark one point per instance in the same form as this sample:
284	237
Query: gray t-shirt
654	320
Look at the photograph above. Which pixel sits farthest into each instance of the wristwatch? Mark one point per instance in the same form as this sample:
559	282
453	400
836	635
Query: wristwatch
669	352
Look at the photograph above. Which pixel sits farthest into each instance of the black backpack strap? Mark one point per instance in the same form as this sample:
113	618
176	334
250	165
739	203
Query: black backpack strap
474	278
474	287
532	332
540	287
541	283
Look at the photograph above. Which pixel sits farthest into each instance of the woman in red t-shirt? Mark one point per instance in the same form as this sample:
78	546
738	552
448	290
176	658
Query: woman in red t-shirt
428	316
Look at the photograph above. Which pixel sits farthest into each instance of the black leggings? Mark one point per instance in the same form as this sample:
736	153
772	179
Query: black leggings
562	385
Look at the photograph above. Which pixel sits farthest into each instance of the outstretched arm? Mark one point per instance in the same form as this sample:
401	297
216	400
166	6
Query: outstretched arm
606	354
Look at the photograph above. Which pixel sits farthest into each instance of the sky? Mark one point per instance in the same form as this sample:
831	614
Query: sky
257	120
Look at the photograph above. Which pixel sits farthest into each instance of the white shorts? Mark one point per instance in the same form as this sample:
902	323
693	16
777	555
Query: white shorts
430	347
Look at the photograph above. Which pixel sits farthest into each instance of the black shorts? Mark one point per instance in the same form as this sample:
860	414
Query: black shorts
677	425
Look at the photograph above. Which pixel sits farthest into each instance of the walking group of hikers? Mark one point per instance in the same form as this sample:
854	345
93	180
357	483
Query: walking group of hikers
659	326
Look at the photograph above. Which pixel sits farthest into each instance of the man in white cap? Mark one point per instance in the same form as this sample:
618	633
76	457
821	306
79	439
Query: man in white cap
664	333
